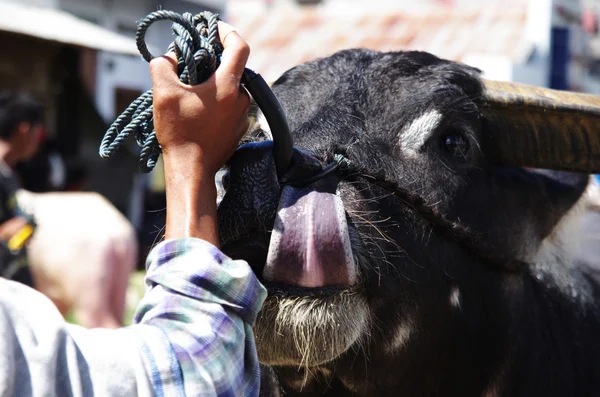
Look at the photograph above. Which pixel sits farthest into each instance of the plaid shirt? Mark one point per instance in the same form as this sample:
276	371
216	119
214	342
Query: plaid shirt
195	321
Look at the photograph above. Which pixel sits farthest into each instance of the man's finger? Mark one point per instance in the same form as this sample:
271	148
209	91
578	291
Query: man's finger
235	55
163	70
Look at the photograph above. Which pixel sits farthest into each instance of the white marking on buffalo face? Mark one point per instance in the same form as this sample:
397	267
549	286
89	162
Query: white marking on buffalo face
455	297
415	134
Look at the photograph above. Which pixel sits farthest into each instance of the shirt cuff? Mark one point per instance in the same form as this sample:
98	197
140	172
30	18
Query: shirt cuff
199	270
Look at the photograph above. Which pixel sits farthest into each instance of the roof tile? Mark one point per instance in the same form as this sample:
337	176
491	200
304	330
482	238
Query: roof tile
284	35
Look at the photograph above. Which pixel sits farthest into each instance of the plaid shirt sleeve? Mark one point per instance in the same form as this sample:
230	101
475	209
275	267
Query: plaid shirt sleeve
195	321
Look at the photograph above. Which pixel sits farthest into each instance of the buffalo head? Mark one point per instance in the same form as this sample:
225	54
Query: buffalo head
415	272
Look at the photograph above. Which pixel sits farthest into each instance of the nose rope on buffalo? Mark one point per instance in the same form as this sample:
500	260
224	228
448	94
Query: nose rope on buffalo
453	231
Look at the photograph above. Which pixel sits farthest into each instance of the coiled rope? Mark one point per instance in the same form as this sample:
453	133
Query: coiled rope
198	53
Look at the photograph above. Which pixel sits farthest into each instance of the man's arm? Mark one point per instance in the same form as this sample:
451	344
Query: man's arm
197	137
193	331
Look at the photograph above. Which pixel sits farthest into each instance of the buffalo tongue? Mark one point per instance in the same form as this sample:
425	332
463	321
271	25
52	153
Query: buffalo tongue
310	245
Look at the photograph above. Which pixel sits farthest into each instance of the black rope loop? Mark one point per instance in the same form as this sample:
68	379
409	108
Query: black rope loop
198	52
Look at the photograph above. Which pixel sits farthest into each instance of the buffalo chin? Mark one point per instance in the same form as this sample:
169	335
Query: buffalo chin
308	331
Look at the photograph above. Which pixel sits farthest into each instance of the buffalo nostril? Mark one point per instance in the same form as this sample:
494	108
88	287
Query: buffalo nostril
225	180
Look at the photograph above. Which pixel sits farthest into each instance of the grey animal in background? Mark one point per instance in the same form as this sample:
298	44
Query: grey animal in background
437	265
81	255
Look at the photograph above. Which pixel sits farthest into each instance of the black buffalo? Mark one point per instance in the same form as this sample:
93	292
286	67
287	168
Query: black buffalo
432	266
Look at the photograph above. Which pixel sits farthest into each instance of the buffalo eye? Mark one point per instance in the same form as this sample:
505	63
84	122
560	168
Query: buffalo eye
457	144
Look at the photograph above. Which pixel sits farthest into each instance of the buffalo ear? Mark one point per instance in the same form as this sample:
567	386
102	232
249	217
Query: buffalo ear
559	192
525	207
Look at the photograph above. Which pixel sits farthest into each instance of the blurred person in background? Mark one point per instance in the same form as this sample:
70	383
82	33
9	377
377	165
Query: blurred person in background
21	130
44	172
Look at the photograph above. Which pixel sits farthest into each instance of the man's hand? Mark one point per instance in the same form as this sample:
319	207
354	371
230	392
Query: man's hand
198	128
208	120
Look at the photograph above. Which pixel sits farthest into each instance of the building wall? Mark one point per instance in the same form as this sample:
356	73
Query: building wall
534	67
561	50
30	67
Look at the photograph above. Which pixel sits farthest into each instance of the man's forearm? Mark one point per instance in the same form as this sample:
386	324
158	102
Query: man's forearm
191	197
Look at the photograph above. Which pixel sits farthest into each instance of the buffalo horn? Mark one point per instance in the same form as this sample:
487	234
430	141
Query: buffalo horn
541	128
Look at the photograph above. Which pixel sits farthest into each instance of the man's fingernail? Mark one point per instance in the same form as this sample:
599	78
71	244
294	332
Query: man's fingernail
224	30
